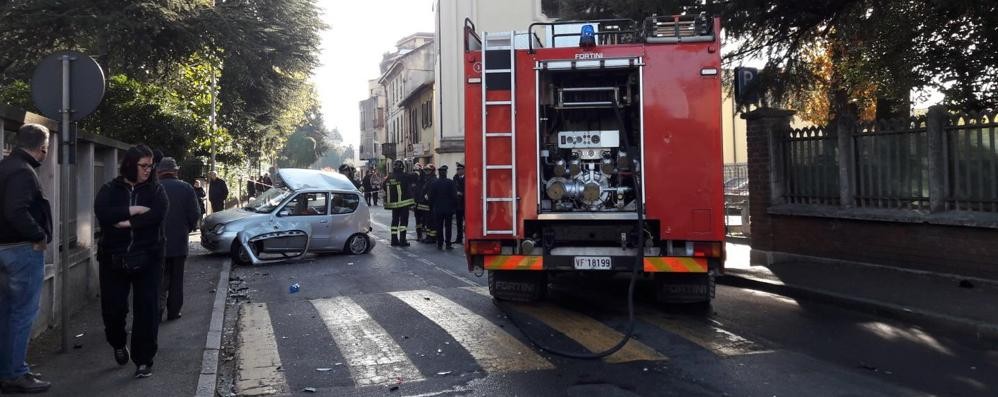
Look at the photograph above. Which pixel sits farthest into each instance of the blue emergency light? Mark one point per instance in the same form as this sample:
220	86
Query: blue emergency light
588	36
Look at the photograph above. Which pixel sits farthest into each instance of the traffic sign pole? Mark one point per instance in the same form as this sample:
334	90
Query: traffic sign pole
64	192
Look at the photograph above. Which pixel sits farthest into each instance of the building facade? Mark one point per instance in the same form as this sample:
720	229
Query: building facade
372	124
418	114
407	78
488	16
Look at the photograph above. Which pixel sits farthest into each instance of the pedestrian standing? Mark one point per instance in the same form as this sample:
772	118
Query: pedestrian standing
181	219
368	187
218	191
398	200
375	186
199	191
250	188
443	201
130	210
25	231
459	209
267	182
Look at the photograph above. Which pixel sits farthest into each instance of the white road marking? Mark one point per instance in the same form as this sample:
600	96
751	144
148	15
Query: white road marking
259	363
493	348
370	352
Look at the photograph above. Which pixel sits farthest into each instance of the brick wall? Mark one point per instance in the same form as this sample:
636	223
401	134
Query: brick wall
966	250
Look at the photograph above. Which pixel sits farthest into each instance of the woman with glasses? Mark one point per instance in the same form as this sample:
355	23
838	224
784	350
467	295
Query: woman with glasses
130	210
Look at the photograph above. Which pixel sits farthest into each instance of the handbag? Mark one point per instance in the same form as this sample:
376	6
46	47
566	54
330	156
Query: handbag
131	262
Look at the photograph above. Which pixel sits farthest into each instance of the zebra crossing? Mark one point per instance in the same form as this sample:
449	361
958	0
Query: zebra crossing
367	341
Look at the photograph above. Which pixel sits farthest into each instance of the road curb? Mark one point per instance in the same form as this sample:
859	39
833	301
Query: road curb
984	331
209	361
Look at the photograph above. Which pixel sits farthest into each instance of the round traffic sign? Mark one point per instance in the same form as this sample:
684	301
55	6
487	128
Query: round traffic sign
86	85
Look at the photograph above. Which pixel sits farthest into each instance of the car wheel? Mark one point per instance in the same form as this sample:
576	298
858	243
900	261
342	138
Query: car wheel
358	244
239	255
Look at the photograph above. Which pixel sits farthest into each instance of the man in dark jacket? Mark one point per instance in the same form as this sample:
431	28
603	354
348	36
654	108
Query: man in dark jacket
459	210
368	187
25	231
443	200
218	191
181	219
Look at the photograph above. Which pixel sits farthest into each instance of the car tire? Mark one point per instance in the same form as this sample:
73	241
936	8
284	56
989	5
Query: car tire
357	244
239	255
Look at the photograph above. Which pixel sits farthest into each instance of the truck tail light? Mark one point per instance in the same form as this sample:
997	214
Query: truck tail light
484	247
707	249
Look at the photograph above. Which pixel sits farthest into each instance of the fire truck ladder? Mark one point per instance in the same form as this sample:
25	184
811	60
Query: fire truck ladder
499	49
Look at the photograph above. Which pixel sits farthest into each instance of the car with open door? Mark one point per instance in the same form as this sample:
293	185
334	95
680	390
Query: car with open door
305	211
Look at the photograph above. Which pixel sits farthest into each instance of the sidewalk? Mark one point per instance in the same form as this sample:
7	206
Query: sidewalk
89	369
950	301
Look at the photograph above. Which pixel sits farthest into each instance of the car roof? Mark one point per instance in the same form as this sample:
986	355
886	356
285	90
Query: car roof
305	179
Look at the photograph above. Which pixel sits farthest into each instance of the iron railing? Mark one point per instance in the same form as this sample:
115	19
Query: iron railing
972	162
891	164
811	168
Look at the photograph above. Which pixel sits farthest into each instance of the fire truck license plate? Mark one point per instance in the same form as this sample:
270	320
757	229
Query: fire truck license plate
592	263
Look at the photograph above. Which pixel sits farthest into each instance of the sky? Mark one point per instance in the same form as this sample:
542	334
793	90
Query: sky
359	33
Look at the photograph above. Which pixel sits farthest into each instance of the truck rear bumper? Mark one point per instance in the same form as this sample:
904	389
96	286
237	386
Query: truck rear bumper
652	264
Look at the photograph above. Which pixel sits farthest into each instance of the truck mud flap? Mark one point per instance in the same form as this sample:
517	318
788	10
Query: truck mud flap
684	288
517	286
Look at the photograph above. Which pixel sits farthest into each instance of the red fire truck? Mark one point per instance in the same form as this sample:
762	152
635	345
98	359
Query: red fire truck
603	155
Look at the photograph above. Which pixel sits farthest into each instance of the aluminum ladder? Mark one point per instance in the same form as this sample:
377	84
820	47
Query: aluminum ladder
496	44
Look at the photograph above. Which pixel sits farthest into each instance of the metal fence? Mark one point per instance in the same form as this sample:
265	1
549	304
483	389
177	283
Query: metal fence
891	164
810	167
735	170
972	159
932	163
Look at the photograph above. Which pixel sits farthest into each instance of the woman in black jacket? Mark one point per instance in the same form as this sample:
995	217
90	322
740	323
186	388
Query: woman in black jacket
130	210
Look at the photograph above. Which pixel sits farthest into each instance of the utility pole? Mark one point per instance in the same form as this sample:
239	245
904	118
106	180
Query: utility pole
211	128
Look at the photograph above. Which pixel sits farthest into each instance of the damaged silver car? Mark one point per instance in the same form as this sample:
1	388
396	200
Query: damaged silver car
305	211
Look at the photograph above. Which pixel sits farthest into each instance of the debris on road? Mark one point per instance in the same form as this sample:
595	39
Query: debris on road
444	373
309	389
81	335
294	288
323	369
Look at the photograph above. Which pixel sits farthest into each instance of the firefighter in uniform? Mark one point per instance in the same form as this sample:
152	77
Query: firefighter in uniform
459	209
399	200
415	184
426	207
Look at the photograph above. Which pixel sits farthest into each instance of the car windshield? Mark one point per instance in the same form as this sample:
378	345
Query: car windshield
267	201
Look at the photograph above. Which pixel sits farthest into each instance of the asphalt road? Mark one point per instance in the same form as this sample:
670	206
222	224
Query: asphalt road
413	321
